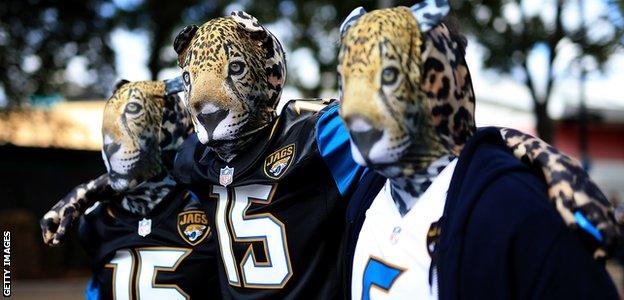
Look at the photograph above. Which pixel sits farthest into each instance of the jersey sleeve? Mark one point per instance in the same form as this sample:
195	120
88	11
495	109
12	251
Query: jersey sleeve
87	234
333	144
92	292
183	164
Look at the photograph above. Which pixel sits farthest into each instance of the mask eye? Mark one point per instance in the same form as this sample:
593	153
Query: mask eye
186	77
236	68
389	75
133	108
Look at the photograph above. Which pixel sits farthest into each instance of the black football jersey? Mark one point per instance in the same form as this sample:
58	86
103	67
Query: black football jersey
169	254
278	210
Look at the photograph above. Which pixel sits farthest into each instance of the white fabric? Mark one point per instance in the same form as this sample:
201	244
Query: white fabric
400	242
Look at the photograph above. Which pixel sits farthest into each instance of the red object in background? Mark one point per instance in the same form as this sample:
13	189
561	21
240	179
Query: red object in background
604	140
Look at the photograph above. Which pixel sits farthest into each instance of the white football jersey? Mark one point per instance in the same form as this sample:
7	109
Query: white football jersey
391	260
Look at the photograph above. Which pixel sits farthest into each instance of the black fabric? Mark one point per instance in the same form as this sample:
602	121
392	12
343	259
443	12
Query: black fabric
362	198
108	229
305	199
501	238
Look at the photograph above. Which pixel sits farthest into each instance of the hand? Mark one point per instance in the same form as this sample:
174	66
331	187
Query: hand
56	222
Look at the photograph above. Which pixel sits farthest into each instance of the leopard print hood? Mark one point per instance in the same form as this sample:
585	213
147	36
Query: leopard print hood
410	100
234	70
407	94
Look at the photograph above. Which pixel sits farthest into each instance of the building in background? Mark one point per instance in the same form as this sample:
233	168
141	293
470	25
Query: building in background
44	152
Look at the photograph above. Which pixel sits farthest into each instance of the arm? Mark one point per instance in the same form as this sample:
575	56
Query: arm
551	262
568	271
333	142
577	198
63	214
514	233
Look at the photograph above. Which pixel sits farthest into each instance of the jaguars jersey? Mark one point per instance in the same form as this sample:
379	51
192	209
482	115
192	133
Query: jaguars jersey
169	254
279	210
391	259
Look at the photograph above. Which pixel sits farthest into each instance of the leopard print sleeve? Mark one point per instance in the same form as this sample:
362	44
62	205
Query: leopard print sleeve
56	222
577	198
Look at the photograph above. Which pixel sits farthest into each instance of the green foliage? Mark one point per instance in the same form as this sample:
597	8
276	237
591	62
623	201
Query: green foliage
39	38
509	33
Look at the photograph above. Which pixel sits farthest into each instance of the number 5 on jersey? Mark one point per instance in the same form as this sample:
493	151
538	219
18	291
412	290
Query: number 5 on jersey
265	228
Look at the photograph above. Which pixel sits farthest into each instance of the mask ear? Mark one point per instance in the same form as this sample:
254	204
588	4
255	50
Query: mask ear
351	18
182	41
247	21
429	13
119	84
275	63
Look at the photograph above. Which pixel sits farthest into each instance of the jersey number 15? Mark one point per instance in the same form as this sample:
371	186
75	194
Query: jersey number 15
242	227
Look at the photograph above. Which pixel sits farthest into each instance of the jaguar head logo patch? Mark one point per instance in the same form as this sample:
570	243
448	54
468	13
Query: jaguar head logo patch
276	164
193	226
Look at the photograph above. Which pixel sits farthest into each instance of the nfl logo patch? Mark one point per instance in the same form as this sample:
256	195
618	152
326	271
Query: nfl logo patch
226	176
145	227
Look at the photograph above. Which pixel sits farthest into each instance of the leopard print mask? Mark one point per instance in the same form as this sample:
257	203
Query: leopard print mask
142	129
234	70
392	72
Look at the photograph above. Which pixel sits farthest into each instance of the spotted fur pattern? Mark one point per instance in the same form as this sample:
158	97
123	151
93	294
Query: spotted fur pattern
62	215
234	71
141	199
142	129
427	75
403	189
407	100
140	123
430	13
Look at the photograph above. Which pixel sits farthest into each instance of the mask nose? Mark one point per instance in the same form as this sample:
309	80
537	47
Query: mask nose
363	133
210	120
110	149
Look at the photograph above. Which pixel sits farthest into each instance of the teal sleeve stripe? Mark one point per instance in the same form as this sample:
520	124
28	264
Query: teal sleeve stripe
93	290
333	143
587	226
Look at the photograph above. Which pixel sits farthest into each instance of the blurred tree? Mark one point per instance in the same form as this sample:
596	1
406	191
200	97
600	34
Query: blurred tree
511	32
163	20
39	39
313	26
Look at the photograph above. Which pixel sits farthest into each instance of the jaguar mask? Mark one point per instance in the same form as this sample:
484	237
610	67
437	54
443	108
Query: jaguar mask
234	71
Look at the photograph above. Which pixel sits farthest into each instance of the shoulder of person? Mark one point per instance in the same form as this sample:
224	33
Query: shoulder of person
509	192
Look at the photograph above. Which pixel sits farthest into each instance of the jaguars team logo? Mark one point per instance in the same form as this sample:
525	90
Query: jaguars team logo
276	164
193	226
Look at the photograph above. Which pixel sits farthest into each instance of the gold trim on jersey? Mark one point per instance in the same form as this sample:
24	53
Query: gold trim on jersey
187	252
249	252
216	196
384	262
